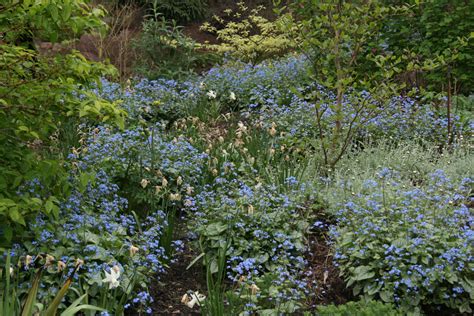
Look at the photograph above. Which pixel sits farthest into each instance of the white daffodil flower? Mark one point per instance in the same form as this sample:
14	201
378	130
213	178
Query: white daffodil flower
232	96
112	277
211	94
192	299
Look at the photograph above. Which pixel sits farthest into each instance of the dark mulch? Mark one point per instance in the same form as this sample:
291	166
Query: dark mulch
175	283
323	277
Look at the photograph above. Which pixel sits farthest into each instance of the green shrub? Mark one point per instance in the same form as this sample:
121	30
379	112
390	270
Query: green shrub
361	308
164	51
39	93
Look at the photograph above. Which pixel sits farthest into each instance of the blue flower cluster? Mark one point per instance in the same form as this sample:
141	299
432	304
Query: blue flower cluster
265	232
409	245
95	224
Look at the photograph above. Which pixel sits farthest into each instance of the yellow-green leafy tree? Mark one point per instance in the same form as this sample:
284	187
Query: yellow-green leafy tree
250	37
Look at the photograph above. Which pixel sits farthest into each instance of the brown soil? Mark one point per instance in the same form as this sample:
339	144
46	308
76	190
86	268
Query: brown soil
323	279
175	283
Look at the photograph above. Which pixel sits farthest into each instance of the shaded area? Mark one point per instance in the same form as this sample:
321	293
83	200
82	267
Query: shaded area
175	283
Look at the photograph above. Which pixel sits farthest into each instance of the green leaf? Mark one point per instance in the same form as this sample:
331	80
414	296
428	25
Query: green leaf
195	260
386	296
75	310
363	273
214	267
215	229
7	233
30	300
16	216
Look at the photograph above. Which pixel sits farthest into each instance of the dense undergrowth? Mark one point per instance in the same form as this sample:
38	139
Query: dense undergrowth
239	167
247	166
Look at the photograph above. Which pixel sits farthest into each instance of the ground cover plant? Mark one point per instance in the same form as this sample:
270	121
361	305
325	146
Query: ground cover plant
308	177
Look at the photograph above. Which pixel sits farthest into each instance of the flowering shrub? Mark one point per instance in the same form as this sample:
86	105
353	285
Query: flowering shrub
408	245
265	231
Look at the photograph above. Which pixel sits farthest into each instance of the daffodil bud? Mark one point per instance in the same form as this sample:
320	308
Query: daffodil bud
254	289
164	182
157	189
179	180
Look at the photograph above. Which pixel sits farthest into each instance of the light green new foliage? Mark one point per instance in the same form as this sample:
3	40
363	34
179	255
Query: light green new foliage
252	38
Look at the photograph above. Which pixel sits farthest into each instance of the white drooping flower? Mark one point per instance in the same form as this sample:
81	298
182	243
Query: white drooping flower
250	209
175	197
232	96
61	265
133	250
254	289
49	260
211	94
192	299
78	263
189	190
28	261
112	277
144	183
